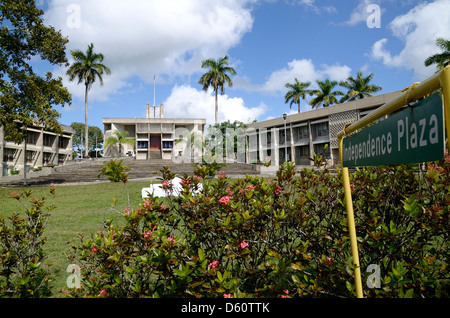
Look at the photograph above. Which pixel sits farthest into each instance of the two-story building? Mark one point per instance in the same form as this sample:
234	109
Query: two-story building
298	136
41	148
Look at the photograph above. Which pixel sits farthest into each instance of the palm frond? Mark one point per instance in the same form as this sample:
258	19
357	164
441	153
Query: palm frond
440	59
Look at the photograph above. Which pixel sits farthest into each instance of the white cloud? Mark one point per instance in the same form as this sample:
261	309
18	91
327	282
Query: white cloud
304	70
142	38
360	14
419	29
188	102
310	4
335	72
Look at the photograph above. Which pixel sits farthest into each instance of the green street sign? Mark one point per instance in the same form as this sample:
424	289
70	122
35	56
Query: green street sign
413	134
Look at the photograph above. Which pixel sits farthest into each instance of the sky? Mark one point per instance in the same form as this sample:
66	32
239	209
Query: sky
154	49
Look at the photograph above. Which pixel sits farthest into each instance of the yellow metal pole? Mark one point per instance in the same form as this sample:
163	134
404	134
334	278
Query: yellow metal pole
445	84
411	94
351	224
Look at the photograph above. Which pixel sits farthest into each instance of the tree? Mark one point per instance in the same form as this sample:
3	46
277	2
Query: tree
217	77
297	91
232	137
27	98
440	58
95	136
118	140
87	67
325	95
358	87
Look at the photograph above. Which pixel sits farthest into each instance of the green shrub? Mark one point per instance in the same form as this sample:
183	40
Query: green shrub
22	250
115	170
281	237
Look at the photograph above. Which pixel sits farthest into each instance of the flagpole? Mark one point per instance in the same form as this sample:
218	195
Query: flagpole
154	90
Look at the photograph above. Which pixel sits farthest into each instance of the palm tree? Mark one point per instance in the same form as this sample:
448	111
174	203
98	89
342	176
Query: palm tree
87	67
119	139
358	87
325	95
297	91
440	58
217	77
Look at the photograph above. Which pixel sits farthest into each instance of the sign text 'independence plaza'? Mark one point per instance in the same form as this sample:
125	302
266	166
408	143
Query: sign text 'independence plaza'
414	134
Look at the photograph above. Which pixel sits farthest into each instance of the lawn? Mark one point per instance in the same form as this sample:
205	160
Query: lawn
79	209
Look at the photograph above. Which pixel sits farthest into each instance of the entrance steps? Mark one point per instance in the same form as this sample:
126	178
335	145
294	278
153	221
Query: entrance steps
139	169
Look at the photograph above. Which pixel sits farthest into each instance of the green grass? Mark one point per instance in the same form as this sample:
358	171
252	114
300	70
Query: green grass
79	209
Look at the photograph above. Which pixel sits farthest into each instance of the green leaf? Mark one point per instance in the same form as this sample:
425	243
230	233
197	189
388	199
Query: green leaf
219	277
129	269
349	286
227	221
295	279
296	266
142	258
196	283
273	253
201	254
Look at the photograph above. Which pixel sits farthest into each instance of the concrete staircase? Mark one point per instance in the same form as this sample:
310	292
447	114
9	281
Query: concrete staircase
139	170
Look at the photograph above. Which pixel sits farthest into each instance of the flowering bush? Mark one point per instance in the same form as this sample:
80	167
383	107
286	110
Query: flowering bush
22	249
281	237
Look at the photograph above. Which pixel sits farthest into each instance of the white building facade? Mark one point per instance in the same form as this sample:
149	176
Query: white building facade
155	137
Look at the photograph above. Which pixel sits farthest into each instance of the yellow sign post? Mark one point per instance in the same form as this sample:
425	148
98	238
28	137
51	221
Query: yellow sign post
440	80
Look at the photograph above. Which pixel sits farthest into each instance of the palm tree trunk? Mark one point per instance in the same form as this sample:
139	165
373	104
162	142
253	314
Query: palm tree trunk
86	127
299	106
217	109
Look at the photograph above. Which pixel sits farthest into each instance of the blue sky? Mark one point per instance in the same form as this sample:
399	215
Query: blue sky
269	42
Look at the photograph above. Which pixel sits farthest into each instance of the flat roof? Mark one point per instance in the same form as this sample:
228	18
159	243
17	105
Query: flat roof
360	104
129	121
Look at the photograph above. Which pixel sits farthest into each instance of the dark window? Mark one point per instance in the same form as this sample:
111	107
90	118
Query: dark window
142	144
32	137
302	132
321	129
63	142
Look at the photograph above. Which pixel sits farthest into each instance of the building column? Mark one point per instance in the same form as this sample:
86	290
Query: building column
311	145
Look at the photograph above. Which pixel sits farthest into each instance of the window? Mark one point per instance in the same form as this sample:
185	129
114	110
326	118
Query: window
269	138
303	151
48	140
167	144
321	130
30	156
302	155
8	155
61	158
142	144
32	138
302	132
46	158
63	142
282	135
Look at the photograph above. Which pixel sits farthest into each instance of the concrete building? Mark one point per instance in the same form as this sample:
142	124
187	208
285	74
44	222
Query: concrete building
155	136
43	148
298	136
